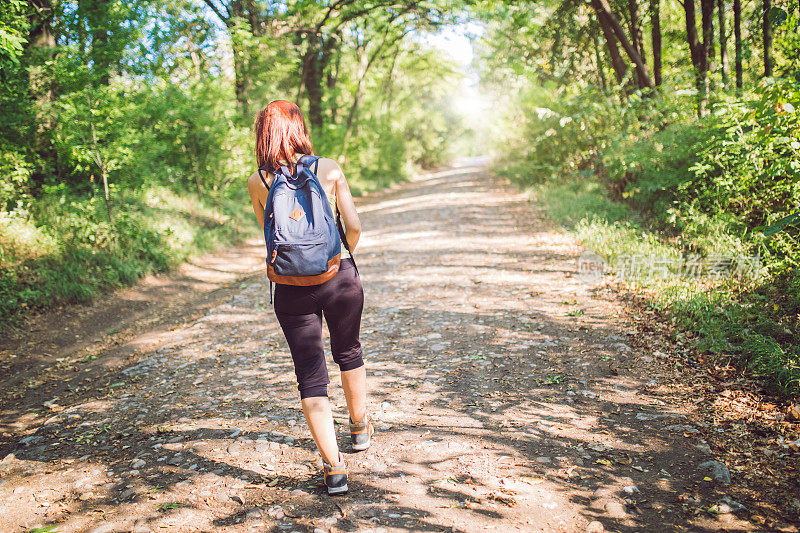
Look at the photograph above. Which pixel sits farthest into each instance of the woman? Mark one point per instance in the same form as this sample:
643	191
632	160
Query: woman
282	139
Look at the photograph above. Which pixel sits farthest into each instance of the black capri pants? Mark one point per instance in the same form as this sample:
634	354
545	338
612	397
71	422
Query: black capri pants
299	310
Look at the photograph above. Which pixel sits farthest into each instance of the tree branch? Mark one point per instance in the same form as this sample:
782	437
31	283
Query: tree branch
215	9
604	8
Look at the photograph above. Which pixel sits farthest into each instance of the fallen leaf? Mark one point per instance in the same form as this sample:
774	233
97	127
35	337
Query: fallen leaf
505	500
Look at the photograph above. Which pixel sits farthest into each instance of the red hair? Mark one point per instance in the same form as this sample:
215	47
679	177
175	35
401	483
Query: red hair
281	134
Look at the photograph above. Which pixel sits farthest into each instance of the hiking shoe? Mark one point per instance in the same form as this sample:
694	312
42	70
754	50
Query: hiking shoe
360	433
335	476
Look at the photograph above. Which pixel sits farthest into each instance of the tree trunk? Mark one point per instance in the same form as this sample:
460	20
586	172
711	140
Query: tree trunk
767	39
97	155
636	27
321	63
613	50
697	53
315	61
241	83
41	88
737	41
101	64
333	79
723	43
556	57
707	21
230	15
655	18
312	81
599	61
104	173
257	25
98	19
388	84
643	77
691	32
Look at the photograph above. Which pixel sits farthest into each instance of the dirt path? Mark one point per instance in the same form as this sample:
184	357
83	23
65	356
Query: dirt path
509	395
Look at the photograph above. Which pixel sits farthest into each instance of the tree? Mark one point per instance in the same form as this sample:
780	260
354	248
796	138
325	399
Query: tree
97	16
607	19
655	20
40	50
723	42
238	17
314	29
767	34
707	22
737	41
636	27
599	60
617	63
698	55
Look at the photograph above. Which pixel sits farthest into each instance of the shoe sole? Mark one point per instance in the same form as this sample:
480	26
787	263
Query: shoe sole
337	490
361	447
364	445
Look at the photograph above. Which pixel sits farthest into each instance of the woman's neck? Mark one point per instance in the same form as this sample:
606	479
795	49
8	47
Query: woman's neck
295	158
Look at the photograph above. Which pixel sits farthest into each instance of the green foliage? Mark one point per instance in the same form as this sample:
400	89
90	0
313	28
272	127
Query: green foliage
44	529
16	171
71	253
647	178
570	201
13	32
749	168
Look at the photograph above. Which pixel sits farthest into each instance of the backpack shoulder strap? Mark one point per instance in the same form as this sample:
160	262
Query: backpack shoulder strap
260	175
309	160
278	175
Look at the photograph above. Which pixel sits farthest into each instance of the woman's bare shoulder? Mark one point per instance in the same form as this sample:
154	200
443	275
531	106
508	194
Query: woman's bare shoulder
329	169
254	181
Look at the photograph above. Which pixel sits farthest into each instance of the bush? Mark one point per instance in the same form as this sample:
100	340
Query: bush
70	252
648	178
748	170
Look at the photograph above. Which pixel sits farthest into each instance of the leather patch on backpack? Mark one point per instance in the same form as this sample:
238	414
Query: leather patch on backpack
297	214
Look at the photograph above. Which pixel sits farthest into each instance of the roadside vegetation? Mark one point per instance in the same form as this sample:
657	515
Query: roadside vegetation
684	180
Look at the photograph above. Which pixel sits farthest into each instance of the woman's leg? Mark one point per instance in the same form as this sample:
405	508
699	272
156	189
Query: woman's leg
317	410
354	383
303	332
343	315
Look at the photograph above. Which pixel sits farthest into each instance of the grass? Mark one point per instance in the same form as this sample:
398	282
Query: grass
63	249
740	320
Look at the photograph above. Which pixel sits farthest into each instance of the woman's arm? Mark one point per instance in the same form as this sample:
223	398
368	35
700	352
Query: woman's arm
347	208
258	197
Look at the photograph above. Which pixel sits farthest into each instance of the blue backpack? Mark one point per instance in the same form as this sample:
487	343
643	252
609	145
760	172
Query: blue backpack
303	239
